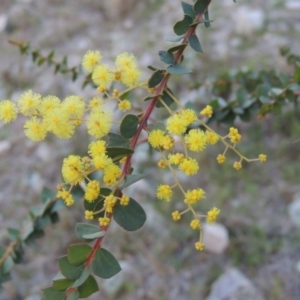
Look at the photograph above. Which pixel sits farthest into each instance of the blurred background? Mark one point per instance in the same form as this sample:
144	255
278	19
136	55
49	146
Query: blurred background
260	218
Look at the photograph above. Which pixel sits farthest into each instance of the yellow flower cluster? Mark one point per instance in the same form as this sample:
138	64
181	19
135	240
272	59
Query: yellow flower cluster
92	191
207	111
125	71
234	135
66	196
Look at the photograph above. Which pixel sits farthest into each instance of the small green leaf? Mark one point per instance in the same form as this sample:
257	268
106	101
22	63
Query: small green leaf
167	57
7	265
130	217
50	55
57	205
178	70
155	78
117	153
34	55
62	284
194	43
73	296
83	277
47	194
104	264
14	234
200	6
151	68
297	75
173	38
43	222
176	48
68	270
78	253
116	140
131	179
181	27
275	92
88	288
52	294
84	229
188	9
129	125
40	61
36	234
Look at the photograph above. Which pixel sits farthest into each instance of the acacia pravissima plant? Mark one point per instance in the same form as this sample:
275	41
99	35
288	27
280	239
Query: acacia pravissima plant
99	178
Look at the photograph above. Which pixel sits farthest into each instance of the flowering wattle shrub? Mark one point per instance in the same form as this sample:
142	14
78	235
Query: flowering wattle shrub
99	178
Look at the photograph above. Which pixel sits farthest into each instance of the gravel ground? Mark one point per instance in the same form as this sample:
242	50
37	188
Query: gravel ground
243	35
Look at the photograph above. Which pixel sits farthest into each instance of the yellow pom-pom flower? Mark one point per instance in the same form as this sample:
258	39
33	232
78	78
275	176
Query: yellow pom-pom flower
175	159
262	157
212	215
199	246
89	215
29	103
74	106
8	111
58	123
124	200
211	137
48	104
168	142
195	224
155	138
92	191
176	124
237	165
207	111
164	192
189	166
91	59
66	196
234	135
99	124
72	169
111	174
221	158
193	196
102	76
124	105
131	77
97	148
126	60
195	140
35	129
162	164
95	104
102	161
104	221
176	215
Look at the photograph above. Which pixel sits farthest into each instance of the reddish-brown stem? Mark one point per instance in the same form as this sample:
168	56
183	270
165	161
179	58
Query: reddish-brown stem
143	124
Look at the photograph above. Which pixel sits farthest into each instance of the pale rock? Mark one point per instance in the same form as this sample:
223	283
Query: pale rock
298	266
44	152
3	22
233	285
293	4
215	238
294	212
4	146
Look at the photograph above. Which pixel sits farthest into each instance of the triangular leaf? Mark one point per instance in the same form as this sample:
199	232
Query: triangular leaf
129	125
84	229
68	270
178	70
88	288
130	217
78	253
104	264
194	43
52	294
